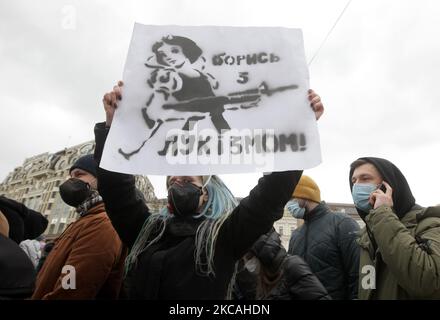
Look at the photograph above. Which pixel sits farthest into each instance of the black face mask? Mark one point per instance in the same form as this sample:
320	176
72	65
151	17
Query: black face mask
74	192
184	199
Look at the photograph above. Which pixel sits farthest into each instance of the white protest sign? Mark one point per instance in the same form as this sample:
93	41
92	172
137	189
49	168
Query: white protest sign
213	100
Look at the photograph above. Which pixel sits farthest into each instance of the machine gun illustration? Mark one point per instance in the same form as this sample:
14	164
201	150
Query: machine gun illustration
214	106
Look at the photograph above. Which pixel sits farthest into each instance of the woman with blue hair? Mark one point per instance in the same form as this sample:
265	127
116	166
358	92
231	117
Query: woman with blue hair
190	249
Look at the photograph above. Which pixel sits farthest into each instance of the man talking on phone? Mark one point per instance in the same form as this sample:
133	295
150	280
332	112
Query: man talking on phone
400	244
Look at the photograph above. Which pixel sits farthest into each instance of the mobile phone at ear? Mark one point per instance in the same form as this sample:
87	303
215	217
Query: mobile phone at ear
382	187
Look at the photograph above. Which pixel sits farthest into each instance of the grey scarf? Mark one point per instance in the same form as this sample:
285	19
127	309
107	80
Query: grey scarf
91	201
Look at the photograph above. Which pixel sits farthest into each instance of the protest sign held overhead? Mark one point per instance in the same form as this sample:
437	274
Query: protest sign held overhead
212	100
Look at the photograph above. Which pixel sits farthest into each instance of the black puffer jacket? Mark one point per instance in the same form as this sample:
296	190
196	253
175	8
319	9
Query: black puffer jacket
327	242
296	281
166	269
17	274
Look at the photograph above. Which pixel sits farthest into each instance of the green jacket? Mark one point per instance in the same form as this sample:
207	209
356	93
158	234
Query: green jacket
405	268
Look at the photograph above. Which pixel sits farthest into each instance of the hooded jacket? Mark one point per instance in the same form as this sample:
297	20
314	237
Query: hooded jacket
400	246
166	269
403	198
293	279
327	242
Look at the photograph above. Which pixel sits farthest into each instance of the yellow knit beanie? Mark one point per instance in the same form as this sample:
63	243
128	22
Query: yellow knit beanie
307	189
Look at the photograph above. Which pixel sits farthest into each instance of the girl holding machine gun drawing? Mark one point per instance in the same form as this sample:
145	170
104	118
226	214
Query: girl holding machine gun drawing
178	72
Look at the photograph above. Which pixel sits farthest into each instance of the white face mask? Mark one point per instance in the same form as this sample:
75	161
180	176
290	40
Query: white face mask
252	265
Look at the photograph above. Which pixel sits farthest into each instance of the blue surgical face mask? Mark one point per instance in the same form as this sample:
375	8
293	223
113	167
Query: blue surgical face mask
361	195
295	210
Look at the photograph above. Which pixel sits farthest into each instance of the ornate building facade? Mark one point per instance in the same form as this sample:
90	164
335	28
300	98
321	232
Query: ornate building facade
36	182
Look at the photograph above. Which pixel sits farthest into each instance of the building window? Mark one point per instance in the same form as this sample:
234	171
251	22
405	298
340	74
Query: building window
51	229
49	206
61	227
281	231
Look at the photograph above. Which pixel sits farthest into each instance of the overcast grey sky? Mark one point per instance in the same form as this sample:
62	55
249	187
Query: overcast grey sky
377	75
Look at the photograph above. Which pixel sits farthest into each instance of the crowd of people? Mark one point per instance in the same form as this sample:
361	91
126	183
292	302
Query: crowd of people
206	245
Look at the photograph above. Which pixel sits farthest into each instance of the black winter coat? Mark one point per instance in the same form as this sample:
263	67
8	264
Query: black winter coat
298	282
295	280
327	242
166	270
17	273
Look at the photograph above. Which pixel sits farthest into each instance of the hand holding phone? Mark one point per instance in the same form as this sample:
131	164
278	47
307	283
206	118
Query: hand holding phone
385	197
382	187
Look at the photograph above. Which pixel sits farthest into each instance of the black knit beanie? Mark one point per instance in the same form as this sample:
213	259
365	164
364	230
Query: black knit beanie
86	163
